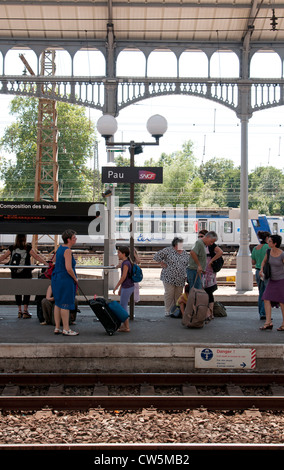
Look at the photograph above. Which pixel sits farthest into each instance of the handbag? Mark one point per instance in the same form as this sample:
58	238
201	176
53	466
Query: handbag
267	267
218	264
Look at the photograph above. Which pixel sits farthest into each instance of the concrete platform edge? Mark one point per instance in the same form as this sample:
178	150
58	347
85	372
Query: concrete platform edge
125	357
51	350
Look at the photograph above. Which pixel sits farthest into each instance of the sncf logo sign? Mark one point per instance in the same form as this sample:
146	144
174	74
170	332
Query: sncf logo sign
136	174
147	175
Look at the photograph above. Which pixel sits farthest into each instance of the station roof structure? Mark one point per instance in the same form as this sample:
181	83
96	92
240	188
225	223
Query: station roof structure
143	20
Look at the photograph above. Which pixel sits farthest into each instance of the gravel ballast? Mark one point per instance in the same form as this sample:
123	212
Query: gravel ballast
145	426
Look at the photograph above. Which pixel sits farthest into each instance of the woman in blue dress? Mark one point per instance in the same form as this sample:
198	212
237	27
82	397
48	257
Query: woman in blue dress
64	284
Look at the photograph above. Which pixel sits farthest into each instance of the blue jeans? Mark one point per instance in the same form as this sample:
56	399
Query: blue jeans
261	288
191	275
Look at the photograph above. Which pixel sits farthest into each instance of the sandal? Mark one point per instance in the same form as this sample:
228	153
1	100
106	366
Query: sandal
27	314
281	328
267	326
20	314
70	333
57	331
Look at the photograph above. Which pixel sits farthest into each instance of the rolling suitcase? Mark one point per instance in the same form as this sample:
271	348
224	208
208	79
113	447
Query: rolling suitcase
106	317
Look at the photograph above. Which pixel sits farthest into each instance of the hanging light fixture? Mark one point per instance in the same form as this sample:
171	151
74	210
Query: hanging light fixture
273	22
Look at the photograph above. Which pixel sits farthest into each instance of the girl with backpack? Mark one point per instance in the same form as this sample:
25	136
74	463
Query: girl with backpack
125	283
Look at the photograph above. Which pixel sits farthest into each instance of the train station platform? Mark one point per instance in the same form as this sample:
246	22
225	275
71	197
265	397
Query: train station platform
155	343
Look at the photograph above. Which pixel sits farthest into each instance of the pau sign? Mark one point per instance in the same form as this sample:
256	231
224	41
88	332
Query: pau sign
114	174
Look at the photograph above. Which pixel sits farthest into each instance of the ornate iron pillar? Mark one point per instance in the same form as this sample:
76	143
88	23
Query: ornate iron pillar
244	276
110	107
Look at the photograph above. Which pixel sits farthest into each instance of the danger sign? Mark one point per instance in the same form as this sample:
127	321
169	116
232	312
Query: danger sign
225	358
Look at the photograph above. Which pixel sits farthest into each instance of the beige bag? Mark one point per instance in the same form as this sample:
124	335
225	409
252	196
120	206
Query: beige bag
196	309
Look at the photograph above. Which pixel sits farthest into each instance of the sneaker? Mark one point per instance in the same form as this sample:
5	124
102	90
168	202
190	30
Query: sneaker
70	333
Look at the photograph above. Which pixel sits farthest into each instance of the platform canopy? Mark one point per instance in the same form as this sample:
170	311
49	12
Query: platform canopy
143	20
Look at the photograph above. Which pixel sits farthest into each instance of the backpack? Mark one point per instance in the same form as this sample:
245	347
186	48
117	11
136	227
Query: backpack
136	273
196	309
219	310
18	258
218	264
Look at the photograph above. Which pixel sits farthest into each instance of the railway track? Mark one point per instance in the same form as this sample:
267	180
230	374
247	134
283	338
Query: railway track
200	400
136	391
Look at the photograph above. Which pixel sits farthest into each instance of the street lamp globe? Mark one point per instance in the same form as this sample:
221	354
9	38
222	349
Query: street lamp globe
157	126
107	126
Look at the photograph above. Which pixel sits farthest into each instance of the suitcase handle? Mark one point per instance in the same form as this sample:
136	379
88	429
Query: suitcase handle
80	289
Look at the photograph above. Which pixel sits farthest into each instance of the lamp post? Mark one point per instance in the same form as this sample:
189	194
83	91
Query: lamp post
107	127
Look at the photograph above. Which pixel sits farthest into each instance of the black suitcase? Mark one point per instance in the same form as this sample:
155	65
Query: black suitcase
106	317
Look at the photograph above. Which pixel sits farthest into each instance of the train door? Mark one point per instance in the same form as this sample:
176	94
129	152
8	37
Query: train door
202	224
227	230
213	226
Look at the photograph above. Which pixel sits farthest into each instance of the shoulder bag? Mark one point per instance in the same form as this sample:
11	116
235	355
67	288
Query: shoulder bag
267	267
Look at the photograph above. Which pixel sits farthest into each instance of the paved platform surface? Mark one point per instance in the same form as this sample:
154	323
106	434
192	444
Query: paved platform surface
241	326
155	343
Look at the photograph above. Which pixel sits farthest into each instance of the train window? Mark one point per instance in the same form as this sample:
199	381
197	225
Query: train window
256	223
165	227
228	227
212	226
188	226
183	226
122	227
192	226
275	228
202	224
144	226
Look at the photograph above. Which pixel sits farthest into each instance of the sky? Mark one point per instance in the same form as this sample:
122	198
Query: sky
214	129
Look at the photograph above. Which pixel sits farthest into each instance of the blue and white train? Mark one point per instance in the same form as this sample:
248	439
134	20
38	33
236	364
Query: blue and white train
155	228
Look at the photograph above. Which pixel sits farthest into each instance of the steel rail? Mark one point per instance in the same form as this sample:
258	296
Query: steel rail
140	378
129	402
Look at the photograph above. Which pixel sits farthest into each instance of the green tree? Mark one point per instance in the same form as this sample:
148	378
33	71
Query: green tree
224	180
179	173
266	190
75	146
